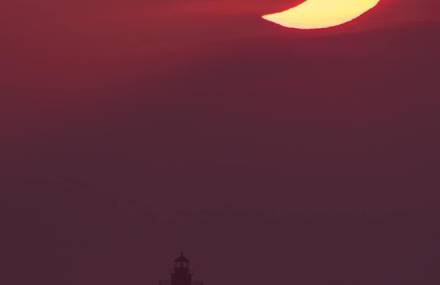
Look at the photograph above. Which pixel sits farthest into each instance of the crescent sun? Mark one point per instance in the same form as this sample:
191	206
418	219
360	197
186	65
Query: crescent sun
319	14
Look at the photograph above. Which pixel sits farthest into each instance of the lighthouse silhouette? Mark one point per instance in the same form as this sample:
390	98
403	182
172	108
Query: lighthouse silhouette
181	274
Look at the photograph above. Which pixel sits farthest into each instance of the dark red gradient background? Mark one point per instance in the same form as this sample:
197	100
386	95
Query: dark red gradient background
131	130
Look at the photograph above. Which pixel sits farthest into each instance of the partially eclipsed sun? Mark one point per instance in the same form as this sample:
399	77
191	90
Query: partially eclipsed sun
319	14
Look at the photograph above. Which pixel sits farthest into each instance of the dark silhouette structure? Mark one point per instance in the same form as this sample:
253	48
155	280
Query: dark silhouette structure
181	274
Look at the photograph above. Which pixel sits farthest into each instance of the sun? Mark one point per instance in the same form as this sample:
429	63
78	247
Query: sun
319	14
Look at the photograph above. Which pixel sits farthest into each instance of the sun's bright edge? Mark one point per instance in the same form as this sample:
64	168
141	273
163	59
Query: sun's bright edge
319	14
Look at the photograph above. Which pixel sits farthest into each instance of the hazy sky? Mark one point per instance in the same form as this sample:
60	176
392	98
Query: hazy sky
318	150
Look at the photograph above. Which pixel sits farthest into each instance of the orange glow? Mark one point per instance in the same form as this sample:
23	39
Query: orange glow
318	14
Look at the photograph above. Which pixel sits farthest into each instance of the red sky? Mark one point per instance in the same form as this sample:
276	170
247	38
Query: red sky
113	110
43	37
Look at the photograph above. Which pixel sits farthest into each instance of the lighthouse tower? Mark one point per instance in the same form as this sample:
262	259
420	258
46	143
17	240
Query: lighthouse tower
181	274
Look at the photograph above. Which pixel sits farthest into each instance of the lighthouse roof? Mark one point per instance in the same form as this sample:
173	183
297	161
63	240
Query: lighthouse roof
181	258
